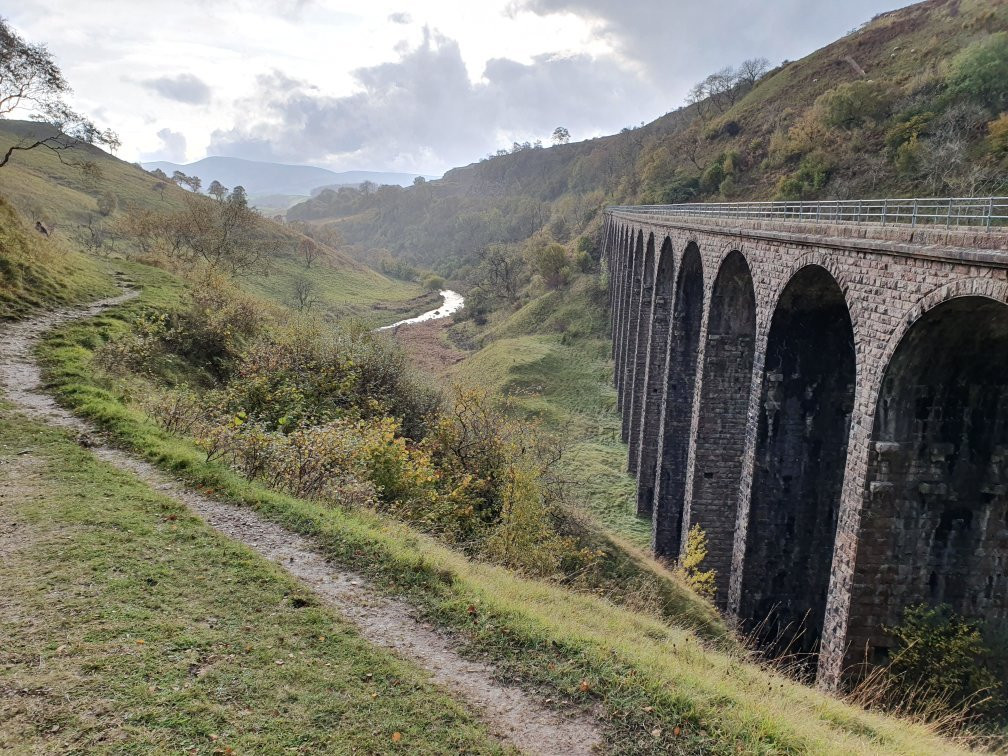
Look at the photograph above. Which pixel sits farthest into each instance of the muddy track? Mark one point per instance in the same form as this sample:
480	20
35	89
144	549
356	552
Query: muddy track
512	714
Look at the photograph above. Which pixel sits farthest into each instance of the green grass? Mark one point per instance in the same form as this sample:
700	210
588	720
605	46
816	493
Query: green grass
37	185
37	272
344	289
129	624
645	675
551	359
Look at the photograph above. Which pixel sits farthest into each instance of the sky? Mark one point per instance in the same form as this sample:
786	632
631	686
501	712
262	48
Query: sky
416	86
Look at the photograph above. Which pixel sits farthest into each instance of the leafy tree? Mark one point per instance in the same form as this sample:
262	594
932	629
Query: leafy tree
158	173
980	73
550	261
31	80
160	186
561	135
217	190
238	196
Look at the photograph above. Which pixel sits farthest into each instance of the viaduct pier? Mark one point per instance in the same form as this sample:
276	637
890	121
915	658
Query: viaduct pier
823	388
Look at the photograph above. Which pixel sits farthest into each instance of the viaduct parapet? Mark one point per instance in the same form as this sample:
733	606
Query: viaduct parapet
823	388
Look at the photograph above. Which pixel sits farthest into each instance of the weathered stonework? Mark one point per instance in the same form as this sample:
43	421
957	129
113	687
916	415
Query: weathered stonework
830	403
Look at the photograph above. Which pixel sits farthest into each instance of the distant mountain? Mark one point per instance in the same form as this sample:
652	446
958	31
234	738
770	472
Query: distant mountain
261	178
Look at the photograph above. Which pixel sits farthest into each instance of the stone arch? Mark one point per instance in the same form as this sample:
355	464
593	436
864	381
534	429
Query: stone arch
934	518
632	328
639	366
806	401
677	405
622	314
664	288
723	413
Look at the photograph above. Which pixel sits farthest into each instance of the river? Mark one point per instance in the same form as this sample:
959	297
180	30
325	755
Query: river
453	302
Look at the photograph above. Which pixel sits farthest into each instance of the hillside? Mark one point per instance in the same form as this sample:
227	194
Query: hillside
65	198
262	178
893	108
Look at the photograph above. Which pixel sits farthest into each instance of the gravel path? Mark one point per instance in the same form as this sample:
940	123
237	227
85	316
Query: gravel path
513	715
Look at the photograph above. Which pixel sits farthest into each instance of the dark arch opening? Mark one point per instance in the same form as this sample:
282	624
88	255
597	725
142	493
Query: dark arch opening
633	326
801	450
655	378
620	311
723	416
670	481
629	274
935	516
639	366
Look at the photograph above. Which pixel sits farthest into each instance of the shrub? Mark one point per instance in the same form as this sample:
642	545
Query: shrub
433	282
997	135
980	73
217	324
135	350
909	128
693	556
852	103
107	204
306	374
550	261
940	656
712	177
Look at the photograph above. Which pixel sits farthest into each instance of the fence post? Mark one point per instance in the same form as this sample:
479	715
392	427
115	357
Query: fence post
913	221
990	211
948	214
885	205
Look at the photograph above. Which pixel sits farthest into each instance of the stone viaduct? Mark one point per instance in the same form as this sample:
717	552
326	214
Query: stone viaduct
828	399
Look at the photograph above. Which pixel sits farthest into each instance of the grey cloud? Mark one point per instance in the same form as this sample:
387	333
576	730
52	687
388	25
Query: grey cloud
679	43
185	88
400	18
423	113
172	148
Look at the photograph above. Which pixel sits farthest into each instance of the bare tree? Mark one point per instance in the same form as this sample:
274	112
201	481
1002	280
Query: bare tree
309	250
504	270
31	80
304	294
160	186
753	69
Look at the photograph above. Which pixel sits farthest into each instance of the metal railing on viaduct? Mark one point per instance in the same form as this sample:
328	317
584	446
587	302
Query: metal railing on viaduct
823	389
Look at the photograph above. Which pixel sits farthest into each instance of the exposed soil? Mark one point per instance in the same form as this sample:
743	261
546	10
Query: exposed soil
427	347
512	714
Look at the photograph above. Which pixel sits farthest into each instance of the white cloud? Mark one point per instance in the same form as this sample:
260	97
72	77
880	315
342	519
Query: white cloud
366	85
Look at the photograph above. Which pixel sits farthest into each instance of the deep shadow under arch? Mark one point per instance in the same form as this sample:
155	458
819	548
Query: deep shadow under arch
934	524
670	477
801	450
639	366
650	425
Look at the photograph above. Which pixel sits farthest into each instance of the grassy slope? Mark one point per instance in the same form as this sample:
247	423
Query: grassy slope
129	623
649	676
37	184
551	359
38	272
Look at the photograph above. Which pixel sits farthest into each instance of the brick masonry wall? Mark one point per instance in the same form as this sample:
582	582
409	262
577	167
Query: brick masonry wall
889	278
